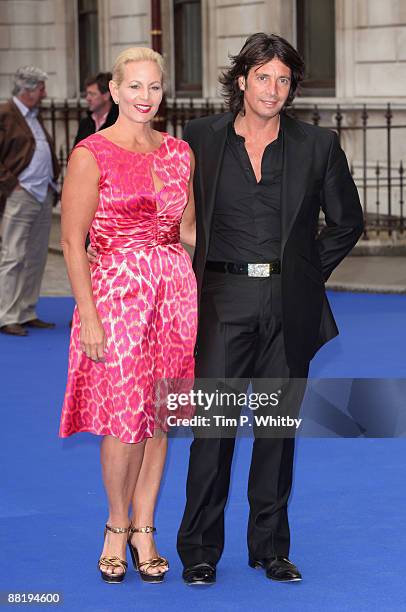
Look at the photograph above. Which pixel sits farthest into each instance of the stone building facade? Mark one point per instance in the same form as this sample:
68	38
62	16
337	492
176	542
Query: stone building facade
370	39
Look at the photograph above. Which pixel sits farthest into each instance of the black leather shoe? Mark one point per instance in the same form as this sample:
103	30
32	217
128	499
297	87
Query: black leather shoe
199	574
39	324
277	568
14	329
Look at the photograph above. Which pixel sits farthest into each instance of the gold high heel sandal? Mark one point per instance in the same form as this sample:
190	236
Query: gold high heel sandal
144	566
113	561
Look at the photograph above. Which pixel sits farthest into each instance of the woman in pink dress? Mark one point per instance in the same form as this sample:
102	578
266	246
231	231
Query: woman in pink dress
135	320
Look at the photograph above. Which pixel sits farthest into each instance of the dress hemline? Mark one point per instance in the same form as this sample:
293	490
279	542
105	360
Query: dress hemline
97	433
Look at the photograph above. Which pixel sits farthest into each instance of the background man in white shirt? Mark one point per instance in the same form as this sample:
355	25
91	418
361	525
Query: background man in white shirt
28	171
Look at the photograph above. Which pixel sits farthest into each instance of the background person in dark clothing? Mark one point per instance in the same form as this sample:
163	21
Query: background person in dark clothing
102	112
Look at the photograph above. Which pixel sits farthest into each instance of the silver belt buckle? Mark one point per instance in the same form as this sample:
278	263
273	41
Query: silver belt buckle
259	270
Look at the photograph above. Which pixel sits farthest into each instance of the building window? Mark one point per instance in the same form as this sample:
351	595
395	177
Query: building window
316	44
188	47
88	40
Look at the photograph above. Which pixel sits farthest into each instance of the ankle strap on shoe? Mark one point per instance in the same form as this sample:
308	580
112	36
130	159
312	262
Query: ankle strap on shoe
147	529
117	529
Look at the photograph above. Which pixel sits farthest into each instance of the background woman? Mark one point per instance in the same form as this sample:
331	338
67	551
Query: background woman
135	320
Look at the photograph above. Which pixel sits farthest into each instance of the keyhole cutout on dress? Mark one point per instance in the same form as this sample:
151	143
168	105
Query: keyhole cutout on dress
159	185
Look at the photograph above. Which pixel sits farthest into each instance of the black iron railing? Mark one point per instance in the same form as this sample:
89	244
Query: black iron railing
380	183
380	180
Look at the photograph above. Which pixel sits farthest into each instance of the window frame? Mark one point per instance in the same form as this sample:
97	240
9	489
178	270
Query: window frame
85	69
313	87
184	89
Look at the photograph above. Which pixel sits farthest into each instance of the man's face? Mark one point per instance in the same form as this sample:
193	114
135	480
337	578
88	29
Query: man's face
96	100
266	89
32	97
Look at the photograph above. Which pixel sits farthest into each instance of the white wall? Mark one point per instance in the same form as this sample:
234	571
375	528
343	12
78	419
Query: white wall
370	37
126	23
37	32
371	48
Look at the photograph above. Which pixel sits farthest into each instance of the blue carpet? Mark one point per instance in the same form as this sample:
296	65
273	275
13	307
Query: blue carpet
372	338
347	508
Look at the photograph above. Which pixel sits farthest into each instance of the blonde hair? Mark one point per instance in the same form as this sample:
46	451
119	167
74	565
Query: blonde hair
135	54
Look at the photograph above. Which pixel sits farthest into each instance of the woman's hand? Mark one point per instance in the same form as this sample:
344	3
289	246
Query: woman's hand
93	338
91	254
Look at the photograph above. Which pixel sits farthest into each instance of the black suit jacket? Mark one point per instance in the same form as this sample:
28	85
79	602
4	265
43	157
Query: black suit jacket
315	175
87	126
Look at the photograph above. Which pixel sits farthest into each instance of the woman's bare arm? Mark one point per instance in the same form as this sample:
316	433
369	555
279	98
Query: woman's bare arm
80	197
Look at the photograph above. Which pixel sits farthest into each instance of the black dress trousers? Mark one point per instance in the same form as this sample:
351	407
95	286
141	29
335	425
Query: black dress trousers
240	339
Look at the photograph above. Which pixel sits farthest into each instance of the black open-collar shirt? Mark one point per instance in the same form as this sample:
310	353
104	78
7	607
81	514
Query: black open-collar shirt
246	220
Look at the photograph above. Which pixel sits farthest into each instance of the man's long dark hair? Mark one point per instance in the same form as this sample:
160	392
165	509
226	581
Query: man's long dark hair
259	49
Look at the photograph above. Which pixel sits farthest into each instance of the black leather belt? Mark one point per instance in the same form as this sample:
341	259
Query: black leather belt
257	270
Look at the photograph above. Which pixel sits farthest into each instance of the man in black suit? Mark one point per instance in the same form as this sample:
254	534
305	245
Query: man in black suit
260	181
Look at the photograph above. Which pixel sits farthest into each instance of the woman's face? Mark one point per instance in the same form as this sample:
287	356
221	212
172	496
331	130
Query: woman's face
140	93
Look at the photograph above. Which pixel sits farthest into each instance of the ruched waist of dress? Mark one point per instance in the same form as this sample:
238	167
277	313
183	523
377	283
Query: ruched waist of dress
134	241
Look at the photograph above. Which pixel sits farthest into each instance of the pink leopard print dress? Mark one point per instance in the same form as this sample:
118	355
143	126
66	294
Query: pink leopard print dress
144	289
